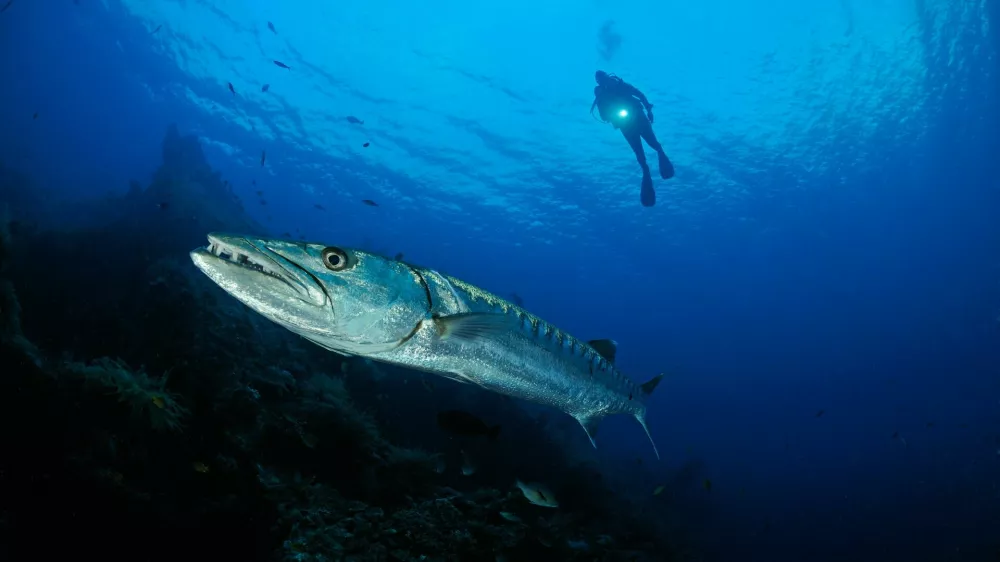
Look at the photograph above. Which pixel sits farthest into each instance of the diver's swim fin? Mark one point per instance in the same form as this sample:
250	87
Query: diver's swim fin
647	196
666	168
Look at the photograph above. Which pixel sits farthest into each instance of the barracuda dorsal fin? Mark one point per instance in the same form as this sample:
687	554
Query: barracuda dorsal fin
589	424
473	326
606	348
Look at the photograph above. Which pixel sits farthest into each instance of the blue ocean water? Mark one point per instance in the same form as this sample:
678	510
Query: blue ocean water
820	281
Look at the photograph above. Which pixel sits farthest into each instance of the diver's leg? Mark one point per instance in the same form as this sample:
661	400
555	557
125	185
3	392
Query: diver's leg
666	167
647	196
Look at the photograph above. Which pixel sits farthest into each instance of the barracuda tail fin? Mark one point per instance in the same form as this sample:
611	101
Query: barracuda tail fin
641	417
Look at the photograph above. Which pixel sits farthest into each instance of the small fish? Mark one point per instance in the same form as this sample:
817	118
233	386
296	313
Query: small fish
159	402
516	299
280	64
930	424
254	182
200	467
366	145
5	6
468	466
157	29
262	202
537	494
398	256
271	27
35	116
708	485
820	413
320	207
163	206
259	193
263	157
265	87
369	202
355	120
895	435
231	88
510	517
659	490
286	234
465	424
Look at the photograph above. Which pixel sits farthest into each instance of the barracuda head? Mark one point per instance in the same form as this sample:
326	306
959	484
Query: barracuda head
341	299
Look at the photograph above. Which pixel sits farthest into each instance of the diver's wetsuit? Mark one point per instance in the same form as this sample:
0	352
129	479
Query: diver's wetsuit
621	104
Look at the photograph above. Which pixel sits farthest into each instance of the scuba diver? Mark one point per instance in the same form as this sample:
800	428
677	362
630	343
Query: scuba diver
621	104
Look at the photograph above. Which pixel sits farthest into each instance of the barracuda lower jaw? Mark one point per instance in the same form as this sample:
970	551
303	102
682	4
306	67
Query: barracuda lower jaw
241	259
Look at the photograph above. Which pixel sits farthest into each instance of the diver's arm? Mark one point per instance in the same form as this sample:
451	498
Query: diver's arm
633	91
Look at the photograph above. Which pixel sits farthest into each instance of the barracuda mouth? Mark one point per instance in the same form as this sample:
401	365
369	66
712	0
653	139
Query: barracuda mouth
243	254
256	262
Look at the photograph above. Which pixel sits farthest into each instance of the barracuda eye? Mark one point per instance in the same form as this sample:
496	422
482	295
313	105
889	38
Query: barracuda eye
335	259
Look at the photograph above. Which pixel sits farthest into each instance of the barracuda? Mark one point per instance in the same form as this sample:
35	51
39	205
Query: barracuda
363	304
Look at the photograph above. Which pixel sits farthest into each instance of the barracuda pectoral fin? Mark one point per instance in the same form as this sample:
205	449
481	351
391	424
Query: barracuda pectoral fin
473	326
590	424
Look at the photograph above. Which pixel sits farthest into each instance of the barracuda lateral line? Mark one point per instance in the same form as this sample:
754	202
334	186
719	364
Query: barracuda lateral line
358	303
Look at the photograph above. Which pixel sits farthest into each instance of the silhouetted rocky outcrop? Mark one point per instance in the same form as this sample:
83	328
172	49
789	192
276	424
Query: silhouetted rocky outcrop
186	199
118	250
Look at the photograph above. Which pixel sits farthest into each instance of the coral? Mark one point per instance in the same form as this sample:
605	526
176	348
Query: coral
329	411
145	396
447	527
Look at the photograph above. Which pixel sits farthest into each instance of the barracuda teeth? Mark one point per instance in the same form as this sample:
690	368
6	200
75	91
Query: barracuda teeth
241	259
